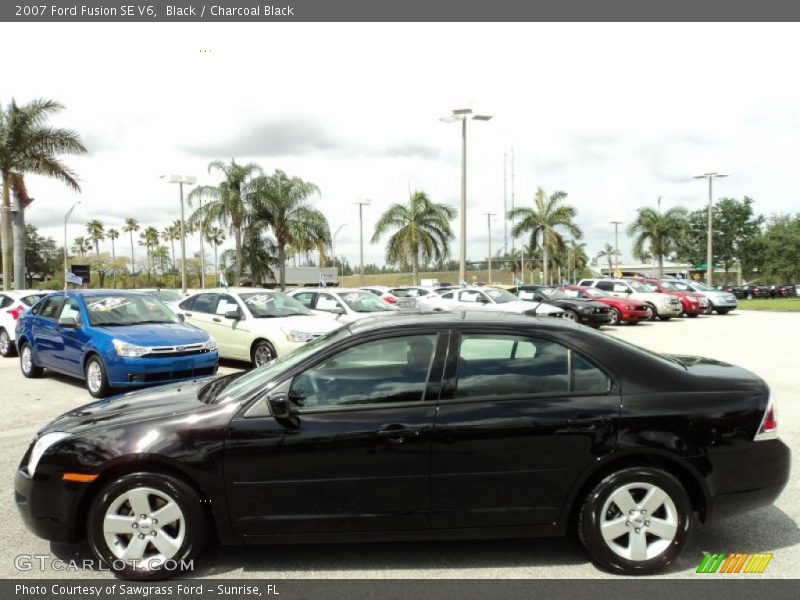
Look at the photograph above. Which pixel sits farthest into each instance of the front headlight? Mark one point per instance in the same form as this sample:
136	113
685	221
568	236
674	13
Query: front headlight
210	344
292	335
130	350
41	446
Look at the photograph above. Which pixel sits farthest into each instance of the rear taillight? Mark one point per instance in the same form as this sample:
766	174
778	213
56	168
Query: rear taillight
390	299
16	312
769	423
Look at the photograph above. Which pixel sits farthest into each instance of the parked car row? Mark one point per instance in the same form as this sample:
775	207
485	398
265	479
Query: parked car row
753	291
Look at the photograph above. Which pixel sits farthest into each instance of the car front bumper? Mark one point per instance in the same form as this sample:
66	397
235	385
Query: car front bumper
595	318
634	316
49	507
134	372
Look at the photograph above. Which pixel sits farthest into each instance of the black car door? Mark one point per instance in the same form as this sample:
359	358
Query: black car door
521	416
355	453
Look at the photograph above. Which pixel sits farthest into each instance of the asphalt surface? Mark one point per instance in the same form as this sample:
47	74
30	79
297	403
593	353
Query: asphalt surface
765	343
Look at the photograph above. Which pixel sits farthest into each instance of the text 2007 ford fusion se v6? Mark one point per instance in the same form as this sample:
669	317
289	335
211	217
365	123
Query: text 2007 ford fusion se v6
411	426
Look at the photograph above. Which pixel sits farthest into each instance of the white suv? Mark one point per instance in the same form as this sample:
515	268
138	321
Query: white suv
663	306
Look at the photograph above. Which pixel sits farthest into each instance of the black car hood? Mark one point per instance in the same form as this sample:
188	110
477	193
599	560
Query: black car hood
173	400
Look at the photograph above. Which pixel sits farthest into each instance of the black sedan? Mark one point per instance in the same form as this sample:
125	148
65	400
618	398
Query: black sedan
444	426
581	310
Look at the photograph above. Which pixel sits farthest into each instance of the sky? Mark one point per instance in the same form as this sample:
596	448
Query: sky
615	115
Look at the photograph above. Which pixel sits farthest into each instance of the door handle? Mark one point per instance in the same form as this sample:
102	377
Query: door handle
216	320
396	435
587	422
187	314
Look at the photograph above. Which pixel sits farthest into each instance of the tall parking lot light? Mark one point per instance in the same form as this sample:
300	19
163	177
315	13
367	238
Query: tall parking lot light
709	254
361	204
181	180
66	218
333	247
616	225
463	115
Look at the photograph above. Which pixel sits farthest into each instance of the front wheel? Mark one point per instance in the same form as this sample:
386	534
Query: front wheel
262	353
96	378
636	521
7	348
147	526
616	317
723	311
664	318
571	315
653	313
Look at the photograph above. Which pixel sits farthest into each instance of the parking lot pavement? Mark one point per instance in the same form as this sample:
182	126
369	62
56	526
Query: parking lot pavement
760	341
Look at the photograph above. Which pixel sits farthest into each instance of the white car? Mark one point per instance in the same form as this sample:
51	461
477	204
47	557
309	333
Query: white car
396	296
663	306
346	304
486	298
12	305
253	324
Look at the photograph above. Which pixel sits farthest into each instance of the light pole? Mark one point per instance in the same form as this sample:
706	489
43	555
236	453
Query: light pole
66	218
489	228
202	250
180	180
333	244
361	204
709	234
463	115
616	225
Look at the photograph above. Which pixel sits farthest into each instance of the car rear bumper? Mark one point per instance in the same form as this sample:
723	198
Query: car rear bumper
743	481
133	372
48	506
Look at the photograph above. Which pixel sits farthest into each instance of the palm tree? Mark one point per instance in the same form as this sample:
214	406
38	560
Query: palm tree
548	214
281	202
577	258
149	239
657	233
170	234
422	231
609	253
215	236
96	231
113	234
29	145
228	203
131	226
81	246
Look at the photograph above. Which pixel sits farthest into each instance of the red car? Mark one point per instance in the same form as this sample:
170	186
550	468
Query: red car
623	310
693	303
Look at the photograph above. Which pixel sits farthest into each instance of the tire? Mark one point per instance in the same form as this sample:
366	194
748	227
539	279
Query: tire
261	353
616	317
664	318
692	315
723	311
630	488
182	538
653	313
571	315
94	373
7	347
27	363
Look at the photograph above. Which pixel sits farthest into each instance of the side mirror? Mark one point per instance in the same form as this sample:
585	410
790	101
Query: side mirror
181	318
279	405
67	323
233	314
337	310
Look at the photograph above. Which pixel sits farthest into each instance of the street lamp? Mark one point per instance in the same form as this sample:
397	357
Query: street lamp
361	204
709	234
180	180
616	225
463	115
489	227
333	244
66	218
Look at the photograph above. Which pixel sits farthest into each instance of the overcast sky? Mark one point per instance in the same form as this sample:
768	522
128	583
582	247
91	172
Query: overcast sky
614	115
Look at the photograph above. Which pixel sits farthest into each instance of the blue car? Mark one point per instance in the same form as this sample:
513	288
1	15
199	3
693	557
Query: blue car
112	339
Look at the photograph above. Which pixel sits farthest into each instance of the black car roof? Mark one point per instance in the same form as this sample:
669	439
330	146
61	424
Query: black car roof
410	320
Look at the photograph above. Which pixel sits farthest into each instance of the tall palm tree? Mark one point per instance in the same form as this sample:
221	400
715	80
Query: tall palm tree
577	258
228	204
96	231
215	236
281	202
543	221
149	239
81	246
170	234
29	145
131	226
113	234
608	252
657	233
422	231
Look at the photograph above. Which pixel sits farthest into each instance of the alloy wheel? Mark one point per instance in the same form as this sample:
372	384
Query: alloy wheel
5	343
94	376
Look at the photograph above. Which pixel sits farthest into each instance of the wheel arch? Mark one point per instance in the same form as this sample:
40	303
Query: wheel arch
262	338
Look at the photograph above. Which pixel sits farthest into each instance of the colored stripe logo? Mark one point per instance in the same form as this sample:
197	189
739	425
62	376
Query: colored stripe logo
737	562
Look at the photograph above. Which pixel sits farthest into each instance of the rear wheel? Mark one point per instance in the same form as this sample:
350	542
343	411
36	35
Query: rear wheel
146	525
26	363
7	347
636	521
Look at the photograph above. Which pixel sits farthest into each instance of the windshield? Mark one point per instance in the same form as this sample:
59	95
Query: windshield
640	287
364	302
703	287
118	310
273	304
500	296
258	378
